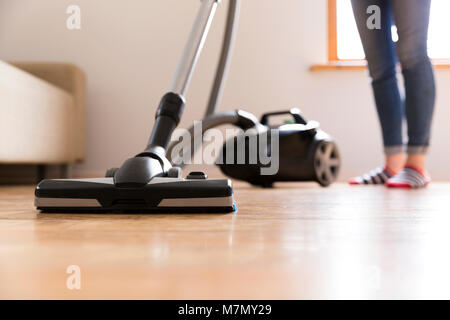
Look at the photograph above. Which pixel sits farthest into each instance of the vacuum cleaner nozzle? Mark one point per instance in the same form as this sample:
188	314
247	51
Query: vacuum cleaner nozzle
195	193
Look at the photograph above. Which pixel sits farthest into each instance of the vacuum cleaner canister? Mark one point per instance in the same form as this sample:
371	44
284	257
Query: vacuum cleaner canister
196	193
306	153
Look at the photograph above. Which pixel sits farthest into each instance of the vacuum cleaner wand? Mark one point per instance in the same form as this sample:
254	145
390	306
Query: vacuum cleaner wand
152	162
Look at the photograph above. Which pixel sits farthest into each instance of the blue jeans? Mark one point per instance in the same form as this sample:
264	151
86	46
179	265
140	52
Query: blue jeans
411	18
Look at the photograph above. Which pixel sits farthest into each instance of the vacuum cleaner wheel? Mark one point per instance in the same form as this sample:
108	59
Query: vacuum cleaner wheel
326	163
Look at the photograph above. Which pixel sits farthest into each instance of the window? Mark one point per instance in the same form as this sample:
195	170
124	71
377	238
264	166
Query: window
345	44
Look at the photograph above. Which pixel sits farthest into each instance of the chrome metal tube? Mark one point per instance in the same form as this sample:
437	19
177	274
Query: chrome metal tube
194	46
225	56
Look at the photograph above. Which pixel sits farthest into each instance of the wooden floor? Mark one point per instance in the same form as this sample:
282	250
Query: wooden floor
296	241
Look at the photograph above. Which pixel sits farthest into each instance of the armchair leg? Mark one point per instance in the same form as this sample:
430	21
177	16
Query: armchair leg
43	172
64	171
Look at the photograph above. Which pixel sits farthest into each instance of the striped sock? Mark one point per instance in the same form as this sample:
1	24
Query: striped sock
410	178
377	176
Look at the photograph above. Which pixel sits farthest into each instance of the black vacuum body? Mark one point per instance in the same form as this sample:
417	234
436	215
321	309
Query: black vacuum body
306	153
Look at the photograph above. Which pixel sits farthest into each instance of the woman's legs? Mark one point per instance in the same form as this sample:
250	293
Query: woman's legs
412	19
381	57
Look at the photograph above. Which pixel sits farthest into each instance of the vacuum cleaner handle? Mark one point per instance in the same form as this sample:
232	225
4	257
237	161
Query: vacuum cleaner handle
294	112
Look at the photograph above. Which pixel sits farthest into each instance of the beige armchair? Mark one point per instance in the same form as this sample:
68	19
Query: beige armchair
42	114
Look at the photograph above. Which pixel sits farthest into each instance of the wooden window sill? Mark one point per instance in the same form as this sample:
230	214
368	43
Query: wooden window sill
362	65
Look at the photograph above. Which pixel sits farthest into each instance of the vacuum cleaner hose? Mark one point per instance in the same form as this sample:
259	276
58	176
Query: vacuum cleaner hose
239	118
225	56
214	120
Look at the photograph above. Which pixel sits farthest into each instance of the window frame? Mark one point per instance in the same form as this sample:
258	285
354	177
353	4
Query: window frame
335	62
332	31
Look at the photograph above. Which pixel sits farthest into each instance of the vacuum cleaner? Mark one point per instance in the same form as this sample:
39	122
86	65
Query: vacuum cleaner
149	182
306	153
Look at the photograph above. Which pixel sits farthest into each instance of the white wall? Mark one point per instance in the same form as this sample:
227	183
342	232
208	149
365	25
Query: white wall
129	50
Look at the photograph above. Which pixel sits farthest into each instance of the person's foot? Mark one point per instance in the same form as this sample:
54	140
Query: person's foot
416	161
395	162
378	176
409	178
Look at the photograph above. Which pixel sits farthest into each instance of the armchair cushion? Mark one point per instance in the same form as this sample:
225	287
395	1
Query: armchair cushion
39	121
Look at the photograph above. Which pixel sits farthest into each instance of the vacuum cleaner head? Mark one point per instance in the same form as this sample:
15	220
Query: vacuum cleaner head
196	193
